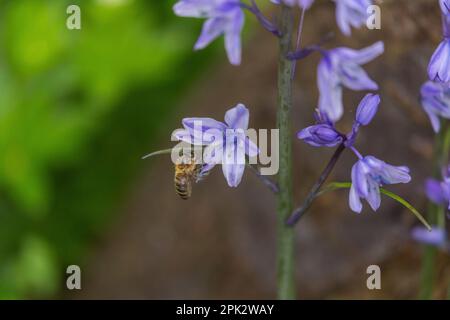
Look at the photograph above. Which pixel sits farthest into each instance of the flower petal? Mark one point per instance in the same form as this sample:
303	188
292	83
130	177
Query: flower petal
361	56
237	117
251	149
439	67
367	109
356	78
233	165
193	8
354	201
212	29
436	236
359	179
434	191
373	196
204	130
330	99
233	37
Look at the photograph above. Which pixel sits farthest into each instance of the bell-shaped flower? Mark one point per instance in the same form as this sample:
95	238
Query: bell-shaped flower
436	237
439	67
322	134
224	17
225	143
439	191
435	98
368	175
304	4
341	67
351	13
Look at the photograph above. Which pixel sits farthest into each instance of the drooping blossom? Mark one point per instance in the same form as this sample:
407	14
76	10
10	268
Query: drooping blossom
435	98
351	13
322	134
368	175
339	68
304	4
436	237
225	143
439	191
224	17
439	67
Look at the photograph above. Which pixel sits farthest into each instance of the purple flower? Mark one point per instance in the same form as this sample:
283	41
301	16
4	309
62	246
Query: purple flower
435	98
435	237
224	17
226	143
445	7
304	4
439	191
351	13
322	134
367	109
368	175
439	67
341	67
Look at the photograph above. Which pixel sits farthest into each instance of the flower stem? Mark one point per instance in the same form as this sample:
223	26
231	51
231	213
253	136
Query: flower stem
442	145
300	211
272	185
285	246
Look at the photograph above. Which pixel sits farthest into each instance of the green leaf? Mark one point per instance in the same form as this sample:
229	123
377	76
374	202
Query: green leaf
347	185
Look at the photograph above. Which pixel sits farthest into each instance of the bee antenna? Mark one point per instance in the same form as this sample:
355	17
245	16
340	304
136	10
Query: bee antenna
157	153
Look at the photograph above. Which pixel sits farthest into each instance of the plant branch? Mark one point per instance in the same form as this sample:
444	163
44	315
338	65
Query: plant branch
272	185
300	211
266	23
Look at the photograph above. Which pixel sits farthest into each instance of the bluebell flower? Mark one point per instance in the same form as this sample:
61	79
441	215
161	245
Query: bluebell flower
435	98
341	67
322	134
439	67
368	175
436	237
439	191
223	17
225	143
351	13
304	4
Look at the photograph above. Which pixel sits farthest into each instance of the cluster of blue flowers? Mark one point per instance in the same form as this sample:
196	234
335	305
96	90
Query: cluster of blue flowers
226	17
339	68
435	93
435	98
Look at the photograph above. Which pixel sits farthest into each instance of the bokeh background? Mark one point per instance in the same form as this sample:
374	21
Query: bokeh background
78	109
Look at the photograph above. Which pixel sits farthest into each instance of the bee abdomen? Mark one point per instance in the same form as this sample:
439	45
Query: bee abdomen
182	187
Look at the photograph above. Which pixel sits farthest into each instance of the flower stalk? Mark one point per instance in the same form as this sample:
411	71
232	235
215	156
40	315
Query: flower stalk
285	245
436	216
315	190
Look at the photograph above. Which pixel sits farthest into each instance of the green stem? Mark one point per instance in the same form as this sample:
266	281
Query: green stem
285	259
435	216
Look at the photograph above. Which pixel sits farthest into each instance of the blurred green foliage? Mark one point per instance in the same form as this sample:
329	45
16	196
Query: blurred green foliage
77	110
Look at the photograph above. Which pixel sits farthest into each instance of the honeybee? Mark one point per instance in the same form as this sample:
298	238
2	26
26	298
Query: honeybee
187	171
